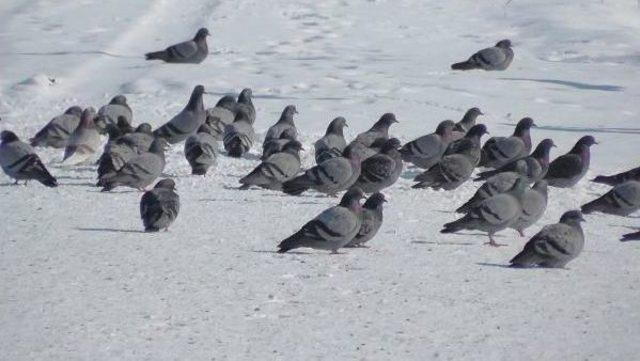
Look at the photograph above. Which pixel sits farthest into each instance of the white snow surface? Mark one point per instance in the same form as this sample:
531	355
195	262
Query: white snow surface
80	281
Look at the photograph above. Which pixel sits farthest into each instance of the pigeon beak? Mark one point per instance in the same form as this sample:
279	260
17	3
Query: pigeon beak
554	146
534	125
582	219
481	113
346	125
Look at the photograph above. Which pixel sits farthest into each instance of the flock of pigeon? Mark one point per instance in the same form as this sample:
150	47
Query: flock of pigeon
373	161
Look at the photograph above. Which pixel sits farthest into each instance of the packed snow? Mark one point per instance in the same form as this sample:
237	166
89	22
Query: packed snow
79	280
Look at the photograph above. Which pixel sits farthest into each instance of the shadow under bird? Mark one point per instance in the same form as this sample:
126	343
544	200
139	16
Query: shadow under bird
187	122
159	207
497	57
57	132
371	220
190	52
20	162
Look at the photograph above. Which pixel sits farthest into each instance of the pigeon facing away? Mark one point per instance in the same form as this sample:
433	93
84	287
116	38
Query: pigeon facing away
381	170
371	220
498	57
499	183
622	200
20	162
493	214
498	151
534	203
469	144
56	133
284	124
533	167
276	169
239	135
331	229
116	108
567	170
555	245
84	141
427	150
159	207
187	122
246	104
274	146
140	171
612	180
635	236
332	144
189	52
468	121
221	115
451	171
200	150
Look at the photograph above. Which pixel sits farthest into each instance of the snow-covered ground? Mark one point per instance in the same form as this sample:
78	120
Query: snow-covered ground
79	281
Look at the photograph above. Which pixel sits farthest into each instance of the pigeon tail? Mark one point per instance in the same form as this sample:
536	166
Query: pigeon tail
297	185
631	237
156	55
454	226
593	206
465	65
199	169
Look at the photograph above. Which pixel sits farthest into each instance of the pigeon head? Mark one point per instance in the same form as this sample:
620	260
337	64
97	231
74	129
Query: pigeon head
119	99
351	199
543	149
375	200
477	131
524	124
587	140
573	217
195	101
166	184
201	34
88	117
293	145
445	127
505	44
74	110
144	128
471	115
288	133
287	114
385	121
8	136
391	144
583	145
245	96
337	126
226	102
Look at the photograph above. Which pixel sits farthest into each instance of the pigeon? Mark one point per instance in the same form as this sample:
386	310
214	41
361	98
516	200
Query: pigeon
493	214
427	150
498	57
533	167
498	151
187	122
221	115
635	236
140	171
567	170
19	161
364	152
622	200
159	207
469	144
239	135
188	52
123	125
244	102
332	229
555	245
499	183
200	150
612	180
451	171
534	203
378	132
371	220
285	123
56	133
116	152
140	139
330	177
382	170
116	108
84	141
274	146
468	121
276	169
332	144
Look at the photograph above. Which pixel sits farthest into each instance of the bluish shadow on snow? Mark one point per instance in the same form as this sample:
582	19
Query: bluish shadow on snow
88	229
586	129
572	84
88	52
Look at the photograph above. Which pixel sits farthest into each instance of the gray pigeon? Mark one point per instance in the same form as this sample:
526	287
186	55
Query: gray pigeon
274	146
378	133
239	135
56	133
20	162
622	200
427	150
493	214
499	183
285	123
276	169
246	104
567	170
84	141
140	171
382	170
188	52
330	177
498	57
332	229
116	108
116	152
555	245
534	203
612	180
469	144
533	167
468	121
332	144
498	151
635	236
221	115
187	122
371	220
159	207
140	139
200	150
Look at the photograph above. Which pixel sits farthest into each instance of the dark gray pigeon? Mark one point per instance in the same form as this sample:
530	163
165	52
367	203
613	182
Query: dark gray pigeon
635	236
117	107
189	52
371	220
498	57
451	171
332	229
239	135
534	203
468	121
378	133
84	141
498	151
499	183
493	214
274	146
555	245
469	144
612	180
187	122
246	104
159	207
330	177
56	133
19	161
285	123
567	170
332	144
200	150
533	167
276	169
382	170
221	115
622	200
427	150
116	152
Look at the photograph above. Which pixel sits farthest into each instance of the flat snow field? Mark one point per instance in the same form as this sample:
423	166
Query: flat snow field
80	281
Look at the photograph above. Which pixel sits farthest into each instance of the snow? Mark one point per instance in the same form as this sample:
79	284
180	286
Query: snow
79	280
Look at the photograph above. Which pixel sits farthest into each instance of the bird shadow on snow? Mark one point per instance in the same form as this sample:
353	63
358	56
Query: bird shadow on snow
572	84
89	229
87	52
